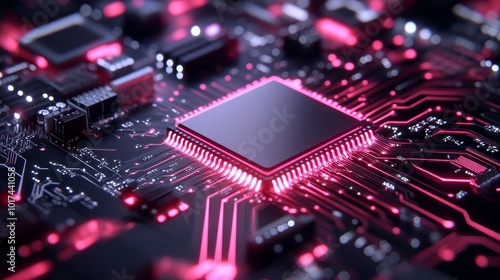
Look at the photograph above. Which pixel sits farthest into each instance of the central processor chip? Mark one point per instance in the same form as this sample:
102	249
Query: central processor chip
268	129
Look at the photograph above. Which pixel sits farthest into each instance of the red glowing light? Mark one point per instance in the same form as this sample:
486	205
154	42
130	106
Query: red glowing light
179	7
179	34
376	5
172	212
176	8
481	261
410	54
41	62
275	9
398	40
53	238
211	270
114	9
395	210
448	224
349	66
161	218
306	259
320	250
428	76
446	254
10	34
24	251
336	63
183	206
336	31
388	23
88	233
222	271
131	200
32	272
377	45
396	230
108	50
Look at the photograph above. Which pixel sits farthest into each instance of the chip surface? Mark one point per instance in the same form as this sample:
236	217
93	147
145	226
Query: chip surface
270	124
66	39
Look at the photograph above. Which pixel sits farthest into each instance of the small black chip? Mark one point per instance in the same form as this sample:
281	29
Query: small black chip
273	130
270	124
66	39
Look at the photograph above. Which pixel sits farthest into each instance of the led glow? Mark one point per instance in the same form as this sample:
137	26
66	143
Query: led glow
446	254
209	159
425	34
195	31
53	238
410	54
320	250
212	30
481	261
325	156
410	27
114	9
183	206
279	184
109	50
336	31
306	259
32	272
131	200
448	224
161	218
398	40
295	12
179	7
41	62
172	212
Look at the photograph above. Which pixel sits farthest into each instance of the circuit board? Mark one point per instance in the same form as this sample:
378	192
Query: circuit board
232	139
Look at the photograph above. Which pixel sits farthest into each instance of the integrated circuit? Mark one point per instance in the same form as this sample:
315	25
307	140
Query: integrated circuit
271	133
66	39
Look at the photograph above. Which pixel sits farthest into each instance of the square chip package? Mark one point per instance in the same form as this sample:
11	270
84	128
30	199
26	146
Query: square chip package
270	134
66	39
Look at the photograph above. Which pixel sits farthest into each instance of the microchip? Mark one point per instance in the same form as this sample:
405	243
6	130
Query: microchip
273	127
66	39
